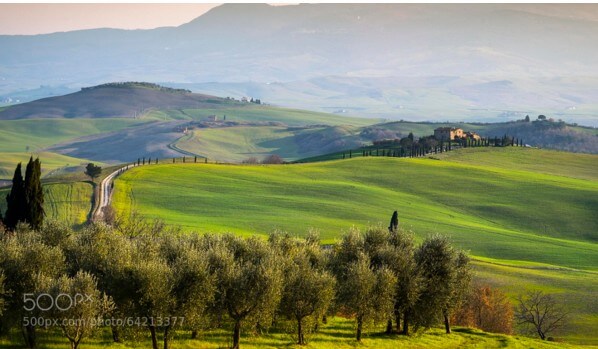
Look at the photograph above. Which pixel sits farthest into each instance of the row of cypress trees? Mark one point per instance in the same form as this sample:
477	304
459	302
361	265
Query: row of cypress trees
26	198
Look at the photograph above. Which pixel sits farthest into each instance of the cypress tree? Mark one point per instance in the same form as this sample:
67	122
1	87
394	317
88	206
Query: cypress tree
34	194
15	200
394	222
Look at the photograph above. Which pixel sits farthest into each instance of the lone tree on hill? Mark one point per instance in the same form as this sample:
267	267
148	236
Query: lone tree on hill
394	222
540	313
92	171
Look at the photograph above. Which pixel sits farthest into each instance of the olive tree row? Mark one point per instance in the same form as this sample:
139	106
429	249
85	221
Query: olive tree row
170	281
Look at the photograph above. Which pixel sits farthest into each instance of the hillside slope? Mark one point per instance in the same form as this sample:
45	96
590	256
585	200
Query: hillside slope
114	100
506	209
526	215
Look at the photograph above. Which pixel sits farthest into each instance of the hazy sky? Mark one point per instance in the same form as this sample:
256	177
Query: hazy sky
49	18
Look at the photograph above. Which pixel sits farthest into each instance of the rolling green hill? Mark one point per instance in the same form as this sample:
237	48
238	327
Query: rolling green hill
51	162
495	212
527	226
531	226
66	202
235	144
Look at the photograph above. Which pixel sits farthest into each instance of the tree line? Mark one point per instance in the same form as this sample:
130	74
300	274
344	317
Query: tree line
149	271
411	147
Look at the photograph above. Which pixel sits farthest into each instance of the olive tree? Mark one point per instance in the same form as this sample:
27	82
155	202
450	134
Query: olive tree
150	279
193	286
308	288
445	274
248	280
78	305
365	285
23	258
409	280
104	253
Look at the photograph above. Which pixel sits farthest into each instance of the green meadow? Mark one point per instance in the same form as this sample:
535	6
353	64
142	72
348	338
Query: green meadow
20	139
495	212
262	113
51	162
66	202
527	216
32	135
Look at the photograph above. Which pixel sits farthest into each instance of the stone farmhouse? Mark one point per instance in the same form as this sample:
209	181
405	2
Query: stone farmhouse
450	133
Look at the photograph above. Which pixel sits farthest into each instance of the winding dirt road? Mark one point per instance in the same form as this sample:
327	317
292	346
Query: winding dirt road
105	193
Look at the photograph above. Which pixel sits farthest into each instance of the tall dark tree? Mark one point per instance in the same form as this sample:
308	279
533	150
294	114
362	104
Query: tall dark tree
34	194
92	171
15	200
394	222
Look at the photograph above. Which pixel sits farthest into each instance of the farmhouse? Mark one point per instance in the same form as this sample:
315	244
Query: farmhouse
447	133
450	133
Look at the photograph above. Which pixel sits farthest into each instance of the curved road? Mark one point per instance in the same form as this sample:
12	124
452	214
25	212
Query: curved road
106	193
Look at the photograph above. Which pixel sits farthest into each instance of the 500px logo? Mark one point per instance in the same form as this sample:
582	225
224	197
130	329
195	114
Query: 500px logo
46	301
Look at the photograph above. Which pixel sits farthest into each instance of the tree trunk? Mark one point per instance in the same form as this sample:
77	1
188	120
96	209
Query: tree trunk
359	327
29	335
300	332
398	321
166	331
542	336
389	326
447	324
115	334
154	338
194	334
237	334
405	323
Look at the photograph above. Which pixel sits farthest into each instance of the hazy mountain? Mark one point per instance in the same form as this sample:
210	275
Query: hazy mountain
486	45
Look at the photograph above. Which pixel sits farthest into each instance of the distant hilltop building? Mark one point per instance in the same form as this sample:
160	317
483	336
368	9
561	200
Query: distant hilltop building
447	133
211	118
451	133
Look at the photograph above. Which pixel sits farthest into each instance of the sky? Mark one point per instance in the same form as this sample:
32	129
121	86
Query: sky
30	19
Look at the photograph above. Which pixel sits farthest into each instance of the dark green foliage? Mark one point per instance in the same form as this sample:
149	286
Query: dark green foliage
15	200
394	222
308	288
34	194
446	276
366	285
93	171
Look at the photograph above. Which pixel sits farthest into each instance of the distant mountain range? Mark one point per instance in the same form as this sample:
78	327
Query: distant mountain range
410	61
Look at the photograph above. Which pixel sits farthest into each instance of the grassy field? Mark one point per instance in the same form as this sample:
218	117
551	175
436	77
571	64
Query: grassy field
67	202
33	135
507	211
533	227
51	163
265	113
19	139
235	144
338	333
